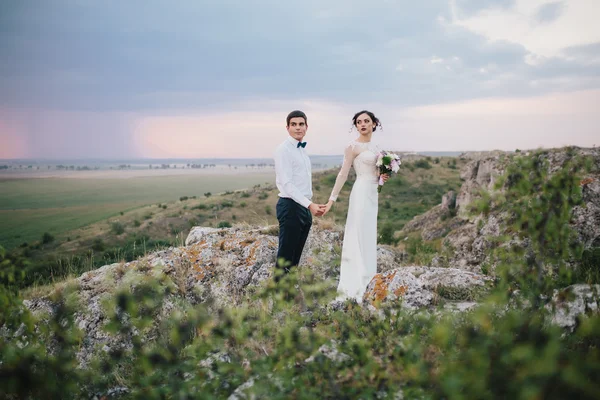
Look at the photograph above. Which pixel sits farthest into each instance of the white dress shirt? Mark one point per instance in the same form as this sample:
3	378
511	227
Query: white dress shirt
293	172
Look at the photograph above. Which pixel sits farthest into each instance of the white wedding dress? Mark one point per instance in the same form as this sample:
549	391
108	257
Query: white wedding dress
359	250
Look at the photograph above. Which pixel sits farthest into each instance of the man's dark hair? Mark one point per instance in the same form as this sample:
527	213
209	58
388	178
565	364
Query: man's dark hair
295	114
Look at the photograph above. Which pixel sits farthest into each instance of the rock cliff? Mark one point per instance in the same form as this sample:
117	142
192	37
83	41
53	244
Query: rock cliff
468	238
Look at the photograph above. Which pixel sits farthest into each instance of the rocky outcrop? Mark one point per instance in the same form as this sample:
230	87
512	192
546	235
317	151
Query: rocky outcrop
468	237
449	201
433	224
586	218
219	268
571	302
477	175
418	287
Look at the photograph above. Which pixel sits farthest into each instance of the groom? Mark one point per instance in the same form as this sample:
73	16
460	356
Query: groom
294	181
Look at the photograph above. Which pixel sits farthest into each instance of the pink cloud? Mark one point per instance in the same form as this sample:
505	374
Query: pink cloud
551	120
12	143
239	133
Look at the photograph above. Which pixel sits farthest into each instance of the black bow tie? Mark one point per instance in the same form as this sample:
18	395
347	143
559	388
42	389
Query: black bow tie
301	144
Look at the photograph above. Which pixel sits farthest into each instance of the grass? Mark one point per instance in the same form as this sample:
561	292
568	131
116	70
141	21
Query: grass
30	207
460	293
27	225
37	291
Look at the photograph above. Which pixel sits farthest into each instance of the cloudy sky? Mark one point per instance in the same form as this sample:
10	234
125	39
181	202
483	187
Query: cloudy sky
216	78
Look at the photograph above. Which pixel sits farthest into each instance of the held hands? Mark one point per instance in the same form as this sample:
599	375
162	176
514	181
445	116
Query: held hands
316	209
385	177
319	210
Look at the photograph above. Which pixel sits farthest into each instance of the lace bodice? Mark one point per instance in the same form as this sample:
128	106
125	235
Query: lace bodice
363	157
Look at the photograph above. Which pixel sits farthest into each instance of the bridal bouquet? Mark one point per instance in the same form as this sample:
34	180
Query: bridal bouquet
386	163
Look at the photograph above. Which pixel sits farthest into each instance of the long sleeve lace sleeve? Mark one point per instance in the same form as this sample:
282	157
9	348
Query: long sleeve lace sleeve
343	174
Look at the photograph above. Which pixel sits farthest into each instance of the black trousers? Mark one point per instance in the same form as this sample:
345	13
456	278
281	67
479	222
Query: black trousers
294	224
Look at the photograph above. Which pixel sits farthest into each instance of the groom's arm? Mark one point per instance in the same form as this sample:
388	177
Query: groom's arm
283	176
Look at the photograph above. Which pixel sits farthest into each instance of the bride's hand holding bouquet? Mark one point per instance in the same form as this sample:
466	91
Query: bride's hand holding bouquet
386	163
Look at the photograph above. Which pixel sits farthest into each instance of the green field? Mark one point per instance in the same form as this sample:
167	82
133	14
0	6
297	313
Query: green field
30	207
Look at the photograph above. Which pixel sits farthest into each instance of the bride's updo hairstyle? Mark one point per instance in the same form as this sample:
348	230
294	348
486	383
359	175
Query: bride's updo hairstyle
371	115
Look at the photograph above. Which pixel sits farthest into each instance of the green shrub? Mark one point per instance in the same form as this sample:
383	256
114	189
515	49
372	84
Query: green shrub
47	238
386	234
227	204
329	179
224	224
589	270
423	163
192	223
420	251
117	228
511	355
98	245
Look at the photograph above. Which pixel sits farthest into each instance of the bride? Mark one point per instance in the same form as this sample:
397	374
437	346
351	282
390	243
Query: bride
359	250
